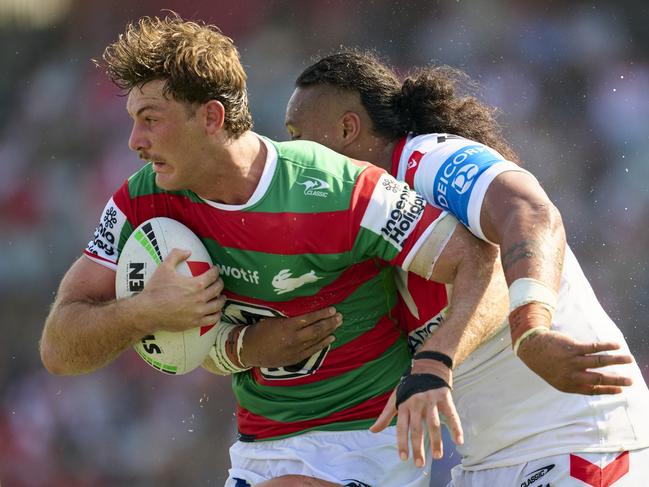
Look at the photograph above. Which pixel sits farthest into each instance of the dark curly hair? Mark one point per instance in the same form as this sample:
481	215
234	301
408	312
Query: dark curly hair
197	62
426	101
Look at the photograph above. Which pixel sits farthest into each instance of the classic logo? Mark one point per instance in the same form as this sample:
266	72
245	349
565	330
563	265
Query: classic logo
532	477
284	283
315	187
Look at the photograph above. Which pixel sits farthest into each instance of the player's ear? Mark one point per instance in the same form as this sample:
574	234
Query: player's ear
351	127
214	113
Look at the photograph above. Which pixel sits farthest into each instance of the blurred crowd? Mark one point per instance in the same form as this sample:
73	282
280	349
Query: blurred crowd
571	81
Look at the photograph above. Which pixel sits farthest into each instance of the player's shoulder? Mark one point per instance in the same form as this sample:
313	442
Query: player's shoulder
303	155
444	144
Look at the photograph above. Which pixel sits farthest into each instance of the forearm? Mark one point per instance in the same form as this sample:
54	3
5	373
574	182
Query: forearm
82	336
477	307
518	216
532	241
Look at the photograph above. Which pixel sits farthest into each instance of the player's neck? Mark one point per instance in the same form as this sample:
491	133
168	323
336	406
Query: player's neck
238	171
376	150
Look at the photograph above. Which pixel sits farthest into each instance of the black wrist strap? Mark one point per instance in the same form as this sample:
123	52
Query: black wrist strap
440	357
415	383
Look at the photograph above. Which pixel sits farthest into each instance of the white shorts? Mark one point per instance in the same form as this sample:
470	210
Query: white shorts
353	458
619	469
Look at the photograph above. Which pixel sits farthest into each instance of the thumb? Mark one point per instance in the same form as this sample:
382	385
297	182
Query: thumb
176	256
389	411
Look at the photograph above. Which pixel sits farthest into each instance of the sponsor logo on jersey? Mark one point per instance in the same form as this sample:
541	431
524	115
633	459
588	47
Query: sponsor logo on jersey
403	217
246	275
354	483
537	474
456	174
411	168
417	337
242	313
284	282
103	240
464	178
315	187
306	367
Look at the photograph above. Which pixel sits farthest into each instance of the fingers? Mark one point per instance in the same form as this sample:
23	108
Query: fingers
595	347
598	361
311	350
176	256
435	433
320	329
403	425
309	318
605	383
447	408
417	440
383	421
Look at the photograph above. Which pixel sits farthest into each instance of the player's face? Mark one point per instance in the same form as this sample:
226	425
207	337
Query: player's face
313	113
165	133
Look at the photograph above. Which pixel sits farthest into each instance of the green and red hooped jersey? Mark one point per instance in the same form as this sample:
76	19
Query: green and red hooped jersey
320	230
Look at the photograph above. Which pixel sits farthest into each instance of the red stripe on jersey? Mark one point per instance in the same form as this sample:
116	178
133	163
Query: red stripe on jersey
396	155
331	294
249	230
361	196
92	256
259	427
429	297
412	166
359	351
592	474
428	217
122	199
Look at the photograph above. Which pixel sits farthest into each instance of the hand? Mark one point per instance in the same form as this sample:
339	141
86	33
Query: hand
424	407
173	302
278	342
565	363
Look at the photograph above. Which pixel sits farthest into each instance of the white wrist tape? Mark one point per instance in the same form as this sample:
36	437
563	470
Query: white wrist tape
526	290
528	333
218	353
240	344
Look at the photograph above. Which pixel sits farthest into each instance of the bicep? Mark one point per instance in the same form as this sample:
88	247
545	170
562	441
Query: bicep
87	281
439	254
510	193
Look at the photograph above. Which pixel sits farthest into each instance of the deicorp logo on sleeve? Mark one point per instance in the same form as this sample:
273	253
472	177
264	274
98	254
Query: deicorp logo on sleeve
393	211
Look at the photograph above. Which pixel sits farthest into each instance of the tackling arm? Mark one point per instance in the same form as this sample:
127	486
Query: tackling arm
477	309
87	328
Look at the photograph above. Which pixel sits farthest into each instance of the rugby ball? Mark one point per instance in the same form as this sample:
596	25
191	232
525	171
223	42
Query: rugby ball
169	352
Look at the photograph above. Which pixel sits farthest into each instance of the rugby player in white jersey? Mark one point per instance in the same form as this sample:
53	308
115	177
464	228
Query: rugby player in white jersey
518	429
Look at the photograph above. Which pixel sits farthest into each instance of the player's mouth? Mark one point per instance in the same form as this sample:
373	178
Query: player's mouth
158	166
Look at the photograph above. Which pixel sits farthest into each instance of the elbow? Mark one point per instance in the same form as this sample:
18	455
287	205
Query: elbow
555	224
52	361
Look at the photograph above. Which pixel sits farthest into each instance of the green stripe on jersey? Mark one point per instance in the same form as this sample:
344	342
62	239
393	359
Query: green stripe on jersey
312	178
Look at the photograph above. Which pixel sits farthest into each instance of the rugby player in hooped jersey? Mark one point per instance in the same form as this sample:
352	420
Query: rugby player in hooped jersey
449	149
316	229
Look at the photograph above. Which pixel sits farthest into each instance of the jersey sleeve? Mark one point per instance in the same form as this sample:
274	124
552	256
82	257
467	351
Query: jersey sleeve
453	174
112	230
389	220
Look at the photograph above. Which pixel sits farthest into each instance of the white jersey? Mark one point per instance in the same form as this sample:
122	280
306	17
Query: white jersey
508	413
